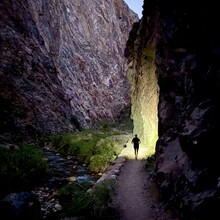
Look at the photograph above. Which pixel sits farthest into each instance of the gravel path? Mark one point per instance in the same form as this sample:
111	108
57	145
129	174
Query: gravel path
136	196
131	197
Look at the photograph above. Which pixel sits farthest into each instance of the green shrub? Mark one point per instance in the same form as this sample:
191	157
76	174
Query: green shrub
86	149
21	168
102	193
98	163
94	148
109	148
80	200
73	199
65	143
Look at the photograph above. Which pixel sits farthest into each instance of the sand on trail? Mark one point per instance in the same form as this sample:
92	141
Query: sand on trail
136	197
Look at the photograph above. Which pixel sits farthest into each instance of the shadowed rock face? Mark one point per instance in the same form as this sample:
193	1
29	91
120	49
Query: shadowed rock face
62	64
185	40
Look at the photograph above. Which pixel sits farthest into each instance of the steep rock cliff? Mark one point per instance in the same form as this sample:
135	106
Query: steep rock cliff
62	64
177	45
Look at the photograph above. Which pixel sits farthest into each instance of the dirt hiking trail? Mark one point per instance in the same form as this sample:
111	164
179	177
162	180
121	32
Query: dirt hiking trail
136	196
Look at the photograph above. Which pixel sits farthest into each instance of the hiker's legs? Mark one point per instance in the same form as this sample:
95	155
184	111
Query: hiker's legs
135	152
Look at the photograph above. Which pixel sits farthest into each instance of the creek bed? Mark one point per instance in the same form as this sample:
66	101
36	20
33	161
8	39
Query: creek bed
61	170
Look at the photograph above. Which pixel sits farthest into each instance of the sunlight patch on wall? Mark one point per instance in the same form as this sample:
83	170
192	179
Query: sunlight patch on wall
144	99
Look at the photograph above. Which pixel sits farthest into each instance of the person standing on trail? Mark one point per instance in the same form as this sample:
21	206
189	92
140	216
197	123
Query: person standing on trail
136	142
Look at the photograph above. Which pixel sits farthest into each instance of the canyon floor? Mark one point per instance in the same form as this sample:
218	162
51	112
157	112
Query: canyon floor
136	197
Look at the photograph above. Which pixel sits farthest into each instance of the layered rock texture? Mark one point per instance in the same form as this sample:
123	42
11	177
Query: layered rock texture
176	46
62	64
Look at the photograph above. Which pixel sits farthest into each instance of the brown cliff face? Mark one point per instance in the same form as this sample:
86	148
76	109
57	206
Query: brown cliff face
185	42
62	64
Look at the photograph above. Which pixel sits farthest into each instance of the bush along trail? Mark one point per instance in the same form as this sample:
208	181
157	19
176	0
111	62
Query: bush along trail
65	170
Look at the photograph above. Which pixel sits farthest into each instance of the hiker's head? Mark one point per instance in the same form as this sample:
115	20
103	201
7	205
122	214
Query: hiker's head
135	135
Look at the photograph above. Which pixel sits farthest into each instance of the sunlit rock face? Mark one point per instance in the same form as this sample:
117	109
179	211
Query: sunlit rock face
144	89
144	97
62	64
186	44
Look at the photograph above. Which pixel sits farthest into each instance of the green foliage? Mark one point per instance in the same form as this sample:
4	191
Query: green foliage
97	164
65	143
73	199
20	168
86	148
80	200
94	148
103	192
105	153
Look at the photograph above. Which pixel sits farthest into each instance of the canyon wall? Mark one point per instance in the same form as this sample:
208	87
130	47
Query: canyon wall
176	45
62	64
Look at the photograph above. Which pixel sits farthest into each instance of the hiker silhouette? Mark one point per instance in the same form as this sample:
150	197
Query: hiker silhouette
136	142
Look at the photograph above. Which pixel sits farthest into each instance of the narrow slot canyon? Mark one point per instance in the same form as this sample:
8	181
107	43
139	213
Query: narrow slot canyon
78	79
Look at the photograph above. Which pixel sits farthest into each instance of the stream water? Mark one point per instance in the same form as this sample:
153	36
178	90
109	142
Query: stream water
61	170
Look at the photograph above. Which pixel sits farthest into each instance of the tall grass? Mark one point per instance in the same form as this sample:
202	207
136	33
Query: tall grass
94	148
21	168
80	200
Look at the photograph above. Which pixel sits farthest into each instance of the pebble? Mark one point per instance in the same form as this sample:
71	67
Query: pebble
72	178
47	198
58	207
